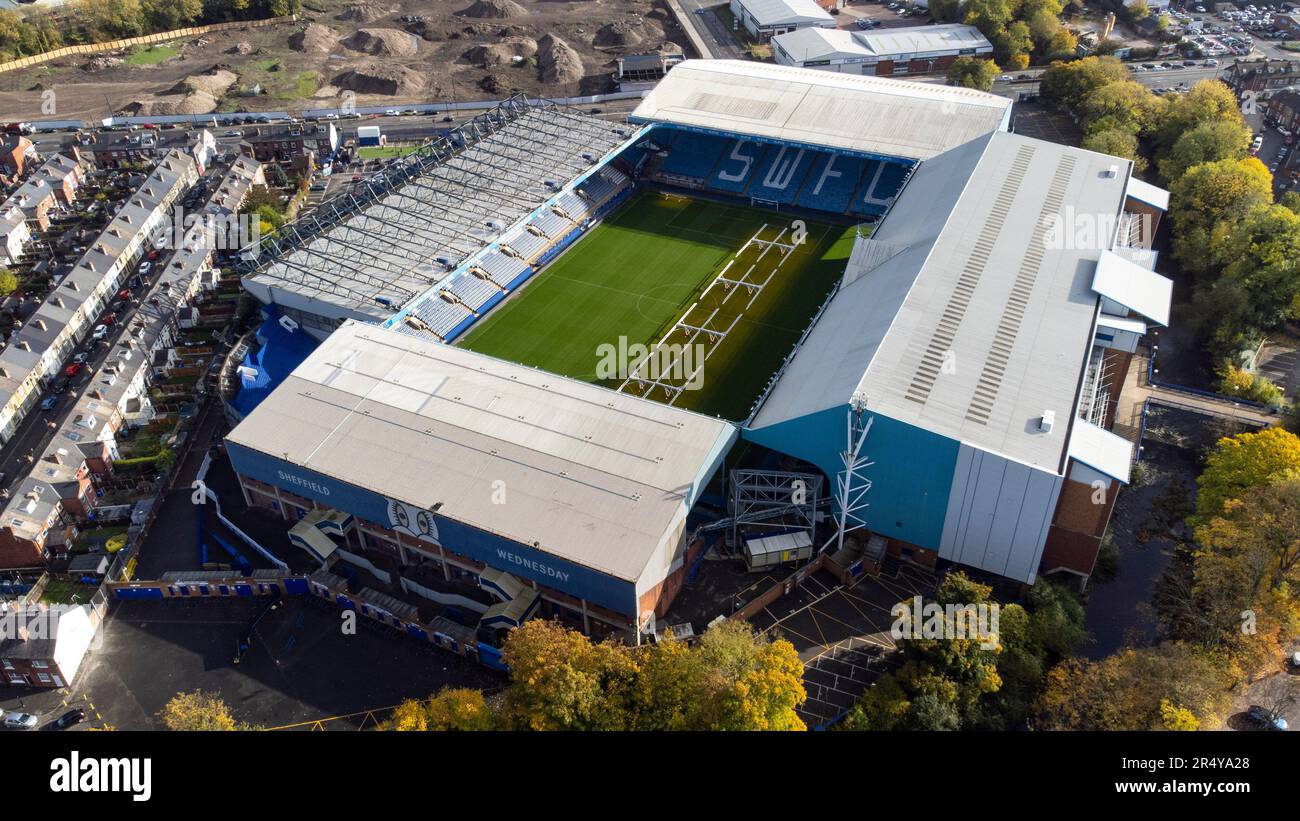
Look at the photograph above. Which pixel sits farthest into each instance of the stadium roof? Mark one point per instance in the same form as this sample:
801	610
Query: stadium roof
916	41
601	478
957	316
875	115
786	12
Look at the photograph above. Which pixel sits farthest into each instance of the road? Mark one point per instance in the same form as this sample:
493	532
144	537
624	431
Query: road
34	433
721	43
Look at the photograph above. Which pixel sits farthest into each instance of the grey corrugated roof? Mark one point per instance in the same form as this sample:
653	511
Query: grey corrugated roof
596	477
877	115
965	286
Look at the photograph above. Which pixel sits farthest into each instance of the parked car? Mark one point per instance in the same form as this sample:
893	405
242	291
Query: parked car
110	320
72	370
100	332
144	267
19	721
49	402
81	358
70	718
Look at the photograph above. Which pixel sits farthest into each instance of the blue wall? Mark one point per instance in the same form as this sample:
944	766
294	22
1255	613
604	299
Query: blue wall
504	554
911	478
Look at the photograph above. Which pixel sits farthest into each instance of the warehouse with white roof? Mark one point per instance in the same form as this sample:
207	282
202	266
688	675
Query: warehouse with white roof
766	18
887	52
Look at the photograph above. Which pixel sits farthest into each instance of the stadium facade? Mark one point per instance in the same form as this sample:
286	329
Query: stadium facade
974	348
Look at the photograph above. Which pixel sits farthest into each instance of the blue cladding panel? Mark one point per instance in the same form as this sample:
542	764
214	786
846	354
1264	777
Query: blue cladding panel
496	551
880	184
911	477
692	155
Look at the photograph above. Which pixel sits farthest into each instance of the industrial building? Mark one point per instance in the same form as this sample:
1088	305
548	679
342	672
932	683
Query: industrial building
888	52
764	19
956	390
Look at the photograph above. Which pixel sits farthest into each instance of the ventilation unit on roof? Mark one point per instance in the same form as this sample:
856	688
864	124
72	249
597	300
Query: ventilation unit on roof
1112	172
1047	421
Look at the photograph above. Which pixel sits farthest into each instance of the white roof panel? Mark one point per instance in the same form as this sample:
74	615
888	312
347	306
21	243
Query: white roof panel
778	12
877	115
1136	288
1101	450
1150	194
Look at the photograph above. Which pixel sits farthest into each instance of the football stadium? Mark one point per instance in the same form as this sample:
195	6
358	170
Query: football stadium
553	361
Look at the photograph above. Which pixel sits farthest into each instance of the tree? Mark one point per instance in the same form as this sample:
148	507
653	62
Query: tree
1208	101
973	72
1137	10
560	680
1260	253
451	709
940	681
1134	689
197	710
1242	462
733	679
1067	85
1126	105
1208	200
8	282
1117	143
1208	142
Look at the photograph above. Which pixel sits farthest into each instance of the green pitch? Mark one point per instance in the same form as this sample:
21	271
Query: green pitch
640	271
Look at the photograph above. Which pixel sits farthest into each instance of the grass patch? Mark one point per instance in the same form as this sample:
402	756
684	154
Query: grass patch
65	591
149	56
384	152
644	268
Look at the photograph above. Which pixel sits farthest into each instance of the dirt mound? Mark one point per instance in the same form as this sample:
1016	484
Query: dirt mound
381	78
495	9
363	13
315	38
557	62
503	53
620	35
240	48
215	83
383	42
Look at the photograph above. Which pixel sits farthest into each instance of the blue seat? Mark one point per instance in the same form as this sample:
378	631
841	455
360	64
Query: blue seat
736	169
690	155
881	182
781	173
831	182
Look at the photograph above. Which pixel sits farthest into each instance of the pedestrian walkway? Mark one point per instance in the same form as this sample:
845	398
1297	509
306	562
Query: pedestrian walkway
1138	390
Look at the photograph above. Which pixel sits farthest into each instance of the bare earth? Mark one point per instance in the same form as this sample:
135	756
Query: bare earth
462	50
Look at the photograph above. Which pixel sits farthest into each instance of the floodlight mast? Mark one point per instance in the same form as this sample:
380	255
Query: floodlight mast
851	484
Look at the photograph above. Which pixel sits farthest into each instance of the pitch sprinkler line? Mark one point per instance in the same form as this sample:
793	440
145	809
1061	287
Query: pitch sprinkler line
716	336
